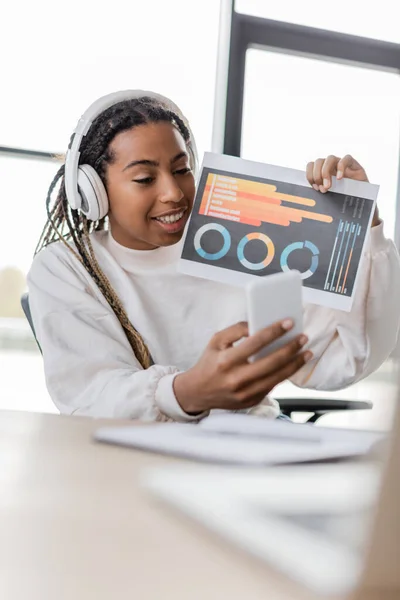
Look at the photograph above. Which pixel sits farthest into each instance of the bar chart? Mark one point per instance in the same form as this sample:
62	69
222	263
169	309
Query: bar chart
341	257
253	202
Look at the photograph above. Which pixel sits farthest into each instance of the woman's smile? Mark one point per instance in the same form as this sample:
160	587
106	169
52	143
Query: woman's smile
172	221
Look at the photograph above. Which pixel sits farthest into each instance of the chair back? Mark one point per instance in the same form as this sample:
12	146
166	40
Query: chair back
28	315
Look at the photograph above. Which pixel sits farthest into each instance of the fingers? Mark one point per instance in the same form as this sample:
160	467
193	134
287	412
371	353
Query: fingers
288	370
273	362
265	385
344	163
225	338
253	344
310	174
329	168
319	173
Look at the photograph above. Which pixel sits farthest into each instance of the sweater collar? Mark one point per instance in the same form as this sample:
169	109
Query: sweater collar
141	260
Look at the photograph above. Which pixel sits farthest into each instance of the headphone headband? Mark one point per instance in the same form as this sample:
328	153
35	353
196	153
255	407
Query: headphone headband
83	126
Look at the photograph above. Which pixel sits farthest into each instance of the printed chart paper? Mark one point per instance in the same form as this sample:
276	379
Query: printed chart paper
251	219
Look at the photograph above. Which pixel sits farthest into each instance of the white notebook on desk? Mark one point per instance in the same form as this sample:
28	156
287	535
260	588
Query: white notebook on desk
243	439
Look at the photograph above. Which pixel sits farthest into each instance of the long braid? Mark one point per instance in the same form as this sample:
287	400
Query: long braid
139	347
73	229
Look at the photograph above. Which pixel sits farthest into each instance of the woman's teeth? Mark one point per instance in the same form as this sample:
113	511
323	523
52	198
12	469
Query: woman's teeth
171	218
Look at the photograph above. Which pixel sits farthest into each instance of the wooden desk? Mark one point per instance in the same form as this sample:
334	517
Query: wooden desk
75	525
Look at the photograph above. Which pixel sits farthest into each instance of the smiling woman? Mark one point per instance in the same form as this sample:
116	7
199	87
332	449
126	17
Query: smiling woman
141	131
150	185
124	334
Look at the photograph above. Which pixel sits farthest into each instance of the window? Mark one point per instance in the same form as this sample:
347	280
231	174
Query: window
24	185
57	64
373	20
297	109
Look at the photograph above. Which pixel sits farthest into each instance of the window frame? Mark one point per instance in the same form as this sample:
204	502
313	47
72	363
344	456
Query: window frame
240	32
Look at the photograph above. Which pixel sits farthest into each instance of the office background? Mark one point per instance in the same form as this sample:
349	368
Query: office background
281	82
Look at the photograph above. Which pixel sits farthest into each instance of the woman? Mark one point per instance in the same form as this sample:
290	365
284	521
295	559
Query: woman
125	335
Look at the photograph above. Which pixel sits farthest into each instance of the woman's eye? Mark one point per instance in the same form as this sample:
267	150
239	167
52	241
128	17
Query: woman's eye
183	171
145	180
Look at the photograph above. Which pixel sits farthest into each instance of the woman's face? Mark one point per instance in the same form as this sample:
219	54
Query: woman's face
150	186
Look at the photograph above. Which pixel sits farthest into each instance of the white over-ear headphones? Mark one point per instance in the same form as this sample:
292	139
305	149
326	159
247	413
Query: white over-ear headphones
84	189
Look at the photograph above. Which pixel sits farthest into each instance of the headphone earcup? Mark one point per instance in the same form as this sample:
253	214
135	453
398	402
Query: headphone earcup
93	193
193	160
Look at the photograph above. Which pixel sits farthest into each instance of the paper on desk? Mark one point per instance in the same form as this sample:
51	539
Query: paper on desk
243	440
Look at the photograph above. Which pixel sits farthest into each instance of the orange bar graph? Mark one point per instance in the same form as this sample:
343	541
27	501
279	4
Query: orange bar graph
253	202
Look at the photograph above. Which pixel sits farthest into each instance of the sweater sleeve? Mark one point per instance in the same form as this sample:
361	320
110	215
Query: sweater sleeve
348	346
89	365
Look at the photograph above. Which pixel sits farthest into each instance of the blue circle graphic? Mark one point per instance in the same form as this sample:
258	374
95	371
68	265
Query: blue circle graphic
299	246
212	255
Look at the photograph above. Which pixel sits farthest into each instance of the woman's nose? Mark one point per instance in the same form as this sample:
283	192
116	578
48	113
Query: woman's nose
171	192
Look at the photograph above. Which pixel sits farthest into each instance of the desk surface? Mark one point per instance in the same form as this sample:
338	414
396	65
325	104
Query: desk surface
74	524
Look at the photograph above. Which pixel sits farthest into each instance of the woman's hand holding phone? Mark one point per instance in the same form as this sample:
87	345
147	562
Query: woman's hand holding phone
225	378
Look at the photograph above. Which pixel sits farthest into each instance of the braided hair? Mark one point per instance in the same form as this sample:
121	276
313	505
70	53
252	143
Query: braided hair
72	228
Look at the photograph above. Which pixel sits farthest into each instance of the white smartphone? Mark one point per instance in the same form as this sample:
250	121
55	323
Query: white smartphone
275	298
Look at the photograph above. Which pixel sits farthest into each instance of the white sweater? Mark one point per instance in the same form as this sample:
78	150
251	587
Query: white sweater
90	367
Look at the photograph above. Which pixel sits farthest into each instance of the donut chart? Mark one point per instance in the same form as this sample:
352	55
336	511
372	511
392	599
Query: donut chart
255	235
226	236
299	246
270	251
